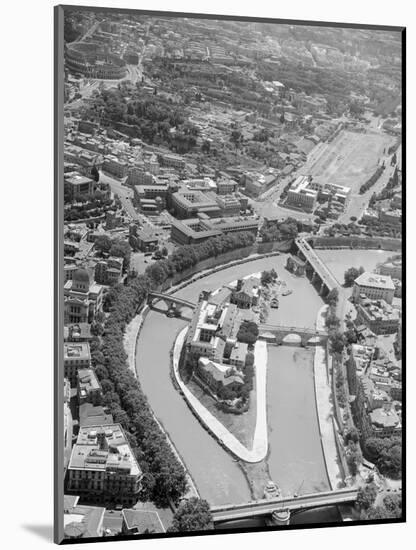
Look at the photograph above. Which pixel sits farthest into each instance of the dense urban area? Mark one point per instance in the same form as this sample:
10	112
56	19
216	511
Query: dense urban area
232	274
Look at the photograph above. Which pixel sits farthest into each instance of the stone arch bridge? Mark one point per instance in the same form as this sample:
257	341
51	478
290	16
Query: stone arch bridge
279	333
170	301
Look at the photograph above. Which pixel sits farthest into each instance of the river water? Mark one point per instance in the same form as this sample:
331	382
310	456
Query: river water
295	459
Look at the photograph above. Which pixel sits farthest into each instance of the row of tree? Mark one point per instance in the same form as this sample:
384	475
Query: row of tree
372	179
187	256
279	230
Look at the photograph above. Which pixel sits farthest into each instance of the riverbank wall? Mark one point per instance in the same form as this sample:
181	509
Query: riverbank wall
241	255
362	243
131	338
325	412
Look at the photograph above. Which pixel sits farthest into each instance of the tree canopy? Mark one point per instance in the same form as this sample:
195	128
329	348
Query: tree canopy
192	515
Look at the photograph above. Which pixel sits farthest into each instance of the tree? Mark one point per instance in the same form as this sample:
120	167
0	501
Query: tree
350	275
95	174
337	342
367	495
354	457
248	332
268	277
121	249
103	244
352	435
332	297
192	515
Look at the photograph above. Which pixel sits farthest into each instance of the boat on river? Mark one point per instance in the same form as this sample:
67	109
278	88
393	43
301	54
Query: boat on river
274	303
287	292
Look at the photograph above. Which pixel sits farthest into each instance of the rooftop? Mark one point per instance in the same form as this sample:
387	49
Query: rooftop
77	350
103	447
143	520
373	280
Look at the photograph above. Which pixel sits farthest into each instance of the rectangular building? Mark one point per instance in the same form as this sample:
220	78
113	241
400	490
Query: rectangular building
76	356
378	316
374	287
103	466
77	185
89	389
301	195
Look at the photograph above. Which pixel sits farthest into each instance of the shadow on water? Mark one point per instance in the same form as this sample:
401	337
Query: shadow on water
329	514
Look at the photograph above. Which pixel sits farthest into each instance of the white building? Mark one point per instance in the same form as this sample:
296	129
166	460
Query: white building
374	287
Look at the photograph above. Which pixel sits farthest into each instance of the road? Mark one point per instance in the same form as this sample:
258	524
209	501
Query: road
124	193
264	507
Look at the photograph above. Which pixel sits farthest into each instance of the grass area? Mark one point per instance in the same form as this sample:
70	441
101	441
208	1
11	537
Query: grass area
242	426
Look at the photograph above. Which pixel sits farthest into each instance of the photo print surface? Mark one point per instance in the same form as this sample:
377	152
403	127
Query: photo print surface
229	211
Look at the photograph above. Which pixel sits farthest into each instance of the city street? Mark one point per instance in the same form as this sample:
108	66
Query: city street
124	193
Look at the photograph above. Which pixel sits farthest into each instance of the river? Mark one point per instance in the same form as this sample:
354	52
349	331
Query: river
295	458
220	479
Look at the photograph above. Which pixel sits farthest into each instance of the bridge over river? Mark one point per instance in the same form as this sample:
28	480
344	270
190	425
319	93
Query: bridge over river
169	300
280	332
282	507
307	253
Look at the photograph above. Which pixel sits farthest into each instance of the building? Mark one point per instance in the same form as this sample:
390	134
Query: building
82	299
218	376
89	389
196	230
392	268
295	265
301	195
226	187
391	217
77	185
81	521
103	466
94	60
110	271
80	332
210	328
188	204
69	270
246	294
76	356
238	355
140	522
142	239
331	191
378	316
114	166
361	356
150	192
94	415
376	398
137	176
385	421
172	161
147	241
374	287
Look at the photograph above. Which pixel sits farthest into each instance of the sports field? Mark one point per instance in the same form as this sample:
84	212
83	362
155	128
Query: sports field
350	159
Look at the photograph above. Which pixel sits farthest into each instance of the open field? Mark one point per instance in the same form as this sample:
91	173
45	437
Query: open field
350	159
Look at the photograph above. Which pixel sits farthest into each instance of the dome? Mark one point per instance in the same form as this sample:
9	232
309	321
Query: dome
81	276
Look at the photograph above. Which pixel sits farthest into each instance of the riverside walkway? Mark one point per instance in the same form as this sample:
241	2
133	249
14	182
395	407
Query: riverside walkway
260	441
